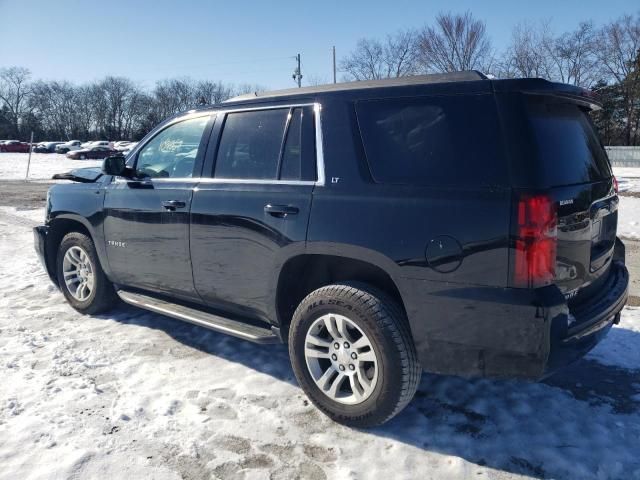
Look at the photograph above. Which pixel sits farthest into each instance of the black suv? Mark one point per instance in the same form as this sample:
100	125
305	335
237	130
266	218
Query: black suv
450	223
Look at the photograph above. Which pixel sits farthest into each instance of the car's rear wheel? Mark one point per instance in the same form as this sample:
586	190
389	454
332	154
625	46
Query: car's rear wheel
80	275
353	355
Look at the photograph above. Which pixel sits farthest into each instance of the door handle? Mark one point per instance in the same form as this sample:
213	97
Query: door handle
172	205
280	211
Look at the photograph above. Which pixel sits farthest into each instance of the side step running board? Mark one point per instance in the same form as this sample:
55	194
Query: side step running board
208	320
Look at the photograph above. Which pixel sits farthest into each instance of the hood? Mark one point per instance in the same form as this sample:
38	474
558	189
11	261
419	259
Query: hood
83	175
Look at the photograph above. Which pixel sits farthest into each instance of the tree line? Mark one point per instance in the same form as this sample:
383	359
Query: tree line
113	108
604	58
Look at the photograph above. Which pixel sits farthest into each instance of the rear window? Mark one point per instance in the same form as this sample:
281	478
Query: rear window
445	140
567	148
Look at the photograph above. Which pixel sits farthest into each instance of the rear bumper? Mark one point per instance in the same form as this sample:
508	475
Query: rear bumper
573	335
505	332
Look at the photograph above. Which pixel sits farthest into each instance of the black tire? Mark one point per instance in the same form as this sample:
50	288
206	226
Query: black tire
384	323
83	157
102	297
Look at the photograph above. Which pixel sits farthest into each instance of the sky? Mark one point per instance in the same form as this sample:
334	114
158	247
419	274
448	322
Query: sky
240	42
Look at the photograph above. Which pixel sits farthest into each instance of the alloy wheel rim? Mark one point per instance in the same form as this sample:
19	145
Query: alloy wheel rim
78	273
341	359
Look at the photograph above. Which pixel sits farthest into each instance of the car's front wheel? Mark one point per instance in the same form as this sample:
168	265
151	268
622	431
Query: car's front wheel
80	275
353	355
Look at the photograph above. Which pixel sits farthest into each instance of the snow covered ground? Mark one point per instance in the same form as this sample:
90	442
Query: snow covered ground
138	395
134	394
629	218
13	166
628	179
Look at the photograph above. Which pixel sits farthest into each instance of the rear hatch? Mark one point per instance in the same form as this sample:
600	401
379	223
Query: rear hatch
560	157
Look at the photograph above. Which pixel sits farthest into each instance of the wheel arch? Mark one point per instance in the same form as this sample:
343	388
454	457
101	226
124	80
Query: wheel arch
302	274
58	228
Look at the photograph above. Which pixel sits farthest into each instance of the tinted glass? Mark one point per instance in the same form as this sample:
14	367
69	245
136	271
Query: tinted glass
173	151
447	140
250	145
567	147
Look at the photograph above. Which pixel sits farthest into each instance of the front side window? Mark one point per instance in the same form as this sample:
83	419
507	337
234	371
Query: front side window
172	152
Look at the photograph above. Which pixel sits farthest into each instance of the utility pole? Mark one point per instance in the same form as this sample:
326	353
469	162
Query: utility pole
26	178
334	64
297	74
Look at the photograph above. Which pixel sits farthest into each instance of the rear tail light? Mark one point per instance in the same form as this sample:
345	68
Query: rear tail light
615	184
536	241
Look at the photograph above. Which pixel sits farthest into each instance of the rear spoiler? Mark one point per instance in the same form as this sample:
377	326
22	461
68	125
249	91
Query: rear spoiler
584	98
561	91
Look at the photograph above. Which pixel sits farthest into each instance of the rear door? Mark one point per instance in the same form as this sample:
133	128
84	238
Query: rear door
562	155
251	215
146	224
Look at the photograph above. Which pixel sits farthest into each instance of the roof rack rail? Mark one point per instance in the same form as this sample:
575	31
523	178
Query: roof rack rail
465	76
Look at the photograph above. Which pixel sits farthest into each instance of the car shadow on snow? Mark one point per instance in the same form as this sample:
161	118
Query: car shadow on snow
582	422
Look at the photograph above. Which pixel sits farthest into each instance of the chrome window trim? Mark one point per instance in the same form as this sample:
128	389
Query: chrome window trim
317	107
244	181
320	182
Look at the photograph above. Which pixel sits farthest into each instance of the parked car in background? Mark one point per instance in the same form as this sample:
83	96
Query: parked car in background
15	146
69	146
127	147
46	147
97	143
93	152
122	144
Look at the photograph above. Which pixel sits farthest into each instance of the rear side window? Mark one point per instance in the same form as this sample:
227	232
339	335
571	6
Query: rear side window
250	145
445	140
567	148
273	144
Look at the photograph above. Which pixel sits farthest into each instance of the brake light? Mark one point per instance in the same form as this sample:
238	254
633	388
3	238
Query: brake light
615	184
536	241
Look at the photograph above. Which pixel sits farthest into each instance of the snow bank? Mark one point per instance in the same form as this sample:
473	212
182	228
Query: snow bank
137	395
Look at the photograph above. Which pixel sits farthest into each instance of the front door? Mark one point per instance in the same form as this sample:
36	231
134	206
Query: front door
146	225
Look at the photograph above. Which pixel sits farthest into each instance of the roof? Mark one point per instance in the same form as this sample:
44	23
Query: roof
466	76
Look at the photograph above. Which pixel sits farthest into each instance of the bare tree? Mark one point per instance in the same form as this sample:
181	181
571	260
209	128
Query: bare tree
454	43
574	56
245	88
618	53
14	94
526	54
373	59
315	80
209	93
121	104
55	105
401	53
366	62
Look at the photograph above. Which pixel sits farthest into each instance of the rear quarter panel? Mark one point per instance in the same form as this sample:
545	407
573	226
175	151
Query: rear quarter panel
466	304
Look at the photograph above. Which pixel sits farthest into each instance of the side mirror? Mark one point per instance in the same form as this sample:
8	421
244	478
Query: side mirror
115	166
